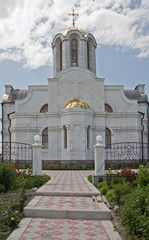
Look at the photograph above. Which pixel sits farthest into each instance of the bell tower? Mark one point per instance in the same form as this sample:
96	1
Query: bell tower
74	48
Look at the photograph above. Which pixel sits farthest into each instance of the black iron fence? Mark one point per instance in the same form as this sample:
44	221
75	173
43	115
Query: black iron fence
15	152
127	152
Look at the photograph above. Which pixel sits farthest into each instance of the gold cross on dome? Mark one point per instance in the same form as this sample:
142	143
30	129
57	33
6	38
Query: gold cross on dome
73	14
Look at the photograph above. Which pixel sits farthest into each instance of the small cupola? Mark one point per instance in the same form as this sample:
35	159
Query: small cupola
76	103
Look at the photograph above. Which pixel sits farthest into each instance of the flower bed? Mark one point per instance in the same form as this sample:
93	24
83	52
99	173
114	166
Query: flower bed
14	184
129	189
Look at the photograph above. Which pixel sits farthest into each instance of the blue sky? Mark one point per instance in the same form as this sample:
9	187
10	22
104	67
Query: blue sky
121	29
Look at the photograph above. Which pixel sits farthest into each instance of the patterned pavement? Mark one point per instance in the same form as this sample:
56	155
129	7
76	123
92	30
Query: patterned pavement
68	181
64	229
33	228
61	203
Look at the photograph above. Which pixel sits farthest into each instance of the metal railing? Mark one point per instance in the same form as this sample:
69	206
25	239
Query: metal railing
13	152
127	152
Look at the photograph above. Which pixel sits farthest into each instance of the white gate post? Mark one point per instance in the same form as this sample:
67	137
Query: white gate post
37	156
99	155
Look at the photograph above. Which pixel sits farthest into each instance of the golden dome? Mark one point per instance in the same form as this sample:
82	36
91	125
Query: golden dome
84	34
76	103
5	97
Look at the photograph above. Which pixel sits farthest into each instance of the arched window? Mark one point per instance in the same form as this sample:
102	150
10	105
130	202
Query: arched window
44	108
74	52
107	136
88	137
45	138
65	137
88	56
60	56
108	108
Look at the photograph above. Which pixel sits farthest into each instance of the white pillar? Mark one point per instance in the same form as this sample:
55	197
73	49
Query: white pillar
99	152
37	156
99	155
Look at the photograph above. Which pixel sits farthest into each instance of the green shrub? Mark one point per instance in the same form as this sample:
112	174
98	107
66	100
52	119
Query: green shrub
7	176
143	176
104	190
110	196
37	181
111	185
118	191
90	178
2	188
27	182
113	178
102	184
135	213
46	178
23	181
21	202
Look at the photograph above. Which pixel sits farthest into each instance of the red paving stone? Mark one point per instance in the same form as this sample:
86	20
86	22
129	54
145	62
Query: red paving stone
67	230
68	181
58	202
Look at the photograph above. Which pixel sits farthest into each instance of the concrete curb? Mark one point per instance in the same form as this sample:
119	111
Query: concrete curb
31	210
67	214
113	235
66	193
16	234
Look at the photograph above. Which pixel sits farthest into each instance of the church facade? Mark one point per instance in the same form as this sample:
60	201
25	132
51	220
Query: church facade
75	106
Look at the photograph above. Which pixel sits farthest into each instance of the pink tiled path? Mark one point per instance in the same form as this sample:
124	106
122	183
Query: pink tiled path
60	202
54	228
68	181
64	229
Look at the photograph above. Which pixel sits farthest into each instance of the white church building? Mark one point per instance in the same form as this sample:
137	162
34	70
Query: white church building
75	106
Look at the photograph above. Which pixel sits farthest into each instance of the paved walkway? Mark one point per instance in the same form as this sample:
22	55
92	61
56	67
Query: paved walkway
64	210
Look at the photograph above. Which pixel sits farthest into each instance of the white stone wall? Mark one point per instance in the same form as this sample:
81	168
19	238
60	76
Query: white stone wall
124	121
76	121
78	83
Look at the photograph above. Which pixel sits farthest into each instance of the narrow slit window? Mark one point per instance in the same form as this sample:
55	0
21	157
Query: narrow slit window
88	137
88	57
74	52
107	137
45	138
60	56
65	137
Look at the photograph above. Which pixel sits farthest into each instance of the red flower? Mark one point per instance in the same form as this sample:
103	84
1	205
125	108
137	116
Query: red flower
13	166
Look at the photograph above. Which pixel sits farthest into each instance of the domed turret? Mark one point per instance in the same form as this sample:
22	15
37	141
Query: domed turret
64	33
74	48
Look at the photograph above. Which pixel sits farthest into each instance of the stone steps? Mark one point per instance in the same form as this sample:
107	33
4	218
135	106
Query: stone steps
66	193
67	208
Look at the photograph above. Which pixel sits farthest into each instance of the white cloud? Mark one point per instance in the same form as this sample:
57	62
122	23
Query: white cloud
28	27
